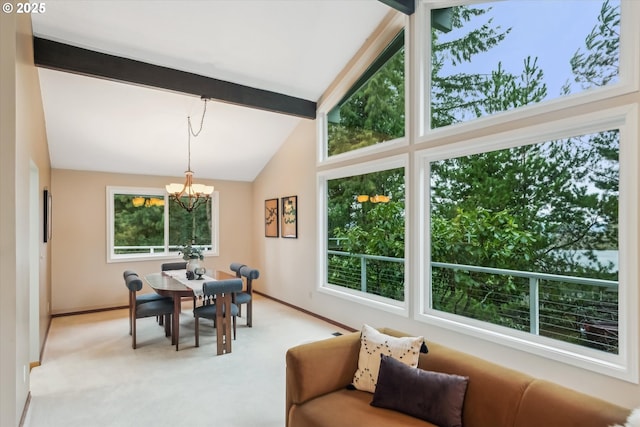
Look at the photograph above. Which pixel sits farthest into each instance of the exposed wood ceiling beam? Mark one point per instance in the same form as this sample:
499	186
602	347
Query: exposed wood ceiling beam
405	6
64	57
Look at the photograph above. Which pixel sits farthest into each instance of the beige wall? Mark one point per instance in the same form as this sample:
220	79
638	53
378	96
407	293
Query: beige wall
23	145
32	133
287	266
81	277
288	272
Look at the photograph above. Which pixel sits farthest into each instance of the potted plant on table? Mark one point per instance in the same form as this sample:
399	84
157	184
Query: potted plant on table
193	256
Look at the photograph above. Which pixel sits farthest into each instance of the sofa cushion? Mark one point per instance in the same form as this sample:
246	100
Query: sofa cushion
549	404
431	396
348	408
493	393
372	345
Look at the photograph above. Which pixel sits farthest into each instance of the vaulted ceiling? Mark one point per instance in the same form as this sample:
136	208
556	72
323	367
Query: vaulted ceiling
265	63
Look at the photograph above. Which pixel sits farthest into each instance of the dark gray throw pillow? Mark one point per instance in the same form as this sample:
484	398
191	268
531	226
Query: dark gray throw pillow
431	396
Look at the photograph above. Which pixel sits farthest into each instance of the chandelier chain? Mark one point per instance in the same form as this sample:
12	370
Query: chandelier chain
204	111
194	194
195	134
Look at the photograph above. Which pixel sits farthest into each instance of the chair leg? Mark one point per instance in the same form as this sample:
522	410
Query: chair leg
234	327
131	301
133	334
227	333
167	324
220	327
197	331
250	313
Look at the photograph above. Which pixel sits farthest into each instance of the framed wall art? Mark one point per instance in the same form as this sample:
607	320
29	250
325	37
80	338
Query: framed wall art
271	218
46	203
289	223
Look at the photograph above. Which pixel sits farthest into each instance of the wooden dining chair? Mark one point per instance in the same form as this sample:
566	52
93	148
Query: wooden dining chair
235	267
143	298
246	296
219	308
163	307
167	266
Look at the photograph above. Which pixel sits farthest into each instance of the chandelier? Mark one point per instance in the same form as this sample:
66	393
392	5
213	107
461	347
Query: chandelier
189	195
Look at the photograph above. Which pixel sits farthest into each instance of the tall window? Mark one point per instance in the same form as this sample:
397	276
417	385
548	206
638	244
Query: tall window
144	223
366	227
527	238
524	227
362	210
491	57
372	111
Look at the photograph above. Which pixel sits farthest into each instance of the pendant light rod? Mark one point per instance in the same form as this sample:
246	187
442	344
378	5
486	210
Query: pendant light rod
195	194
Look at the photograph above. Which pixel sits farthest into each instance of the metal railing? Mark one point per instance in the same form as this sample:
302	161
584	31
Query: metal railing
534	280
568	308
379	275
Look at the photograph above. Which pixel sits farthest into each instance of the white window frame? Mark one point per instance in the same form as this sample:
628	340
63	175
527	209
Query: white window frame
624	365
629	79
390	27
386	304
160	192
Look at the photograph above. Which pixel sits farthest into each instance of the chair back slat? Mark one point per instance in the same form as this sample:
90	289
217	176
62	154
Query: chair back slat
167	266
133	282
129	273
217	287
249	273
235	267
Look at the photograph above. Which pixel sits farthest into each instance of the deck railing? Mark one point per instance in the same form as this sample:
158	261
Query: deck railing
568	308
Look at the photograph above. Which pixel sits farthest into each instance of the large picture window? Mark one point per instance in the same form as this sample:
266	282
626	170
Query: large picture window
524	235
365	222
492	57
527	238
145	223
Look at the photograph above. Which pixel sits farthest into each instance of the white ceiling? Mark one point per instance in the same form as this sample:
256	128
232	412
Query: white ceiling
293	47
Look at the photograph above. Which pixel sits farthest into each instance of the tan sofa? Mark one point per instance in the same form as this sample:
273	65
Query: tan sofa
318	374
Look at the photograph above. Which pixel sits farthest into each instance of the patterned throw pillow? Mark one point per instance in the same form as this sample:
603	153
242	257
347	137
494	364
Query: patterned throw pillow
372	345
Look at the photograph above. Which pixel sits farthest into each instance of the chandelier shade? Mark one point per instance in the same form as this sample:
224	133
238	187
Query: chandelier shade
189	195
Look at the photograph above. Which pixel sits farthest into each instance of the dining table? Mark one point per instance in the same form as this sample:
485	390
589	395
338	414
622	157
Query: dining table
174	284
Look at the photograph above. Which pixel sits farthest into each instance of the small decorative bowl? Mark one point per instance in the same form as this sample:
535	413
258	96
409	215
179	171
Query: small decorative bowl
199	272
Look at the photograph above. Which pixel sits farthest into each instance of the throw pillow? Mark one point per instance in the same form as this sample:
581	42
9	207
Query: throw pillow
432	396
372	345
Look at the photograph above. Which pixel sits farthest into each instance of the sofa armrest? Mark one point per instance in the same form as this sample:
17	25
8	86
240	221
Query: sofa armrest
320	367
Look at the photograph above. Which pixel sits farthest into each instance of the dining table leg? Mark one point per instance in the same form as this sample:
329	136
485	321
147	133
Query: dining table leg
177	308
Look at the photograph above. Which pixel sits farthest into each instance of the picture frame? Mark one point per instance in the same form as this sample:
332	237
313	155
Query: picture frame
289	217
271	218
47	203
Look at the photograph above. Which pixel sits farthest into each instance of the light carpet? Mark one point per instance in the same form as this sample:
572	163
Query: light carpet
90	375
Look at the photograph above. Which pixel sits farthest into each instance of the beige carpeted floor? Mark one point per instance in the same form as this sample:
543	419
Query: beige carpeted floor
90	376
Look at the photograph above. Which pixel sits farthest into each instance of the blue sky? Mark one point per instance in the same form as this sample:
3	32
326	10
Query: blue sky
552	30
